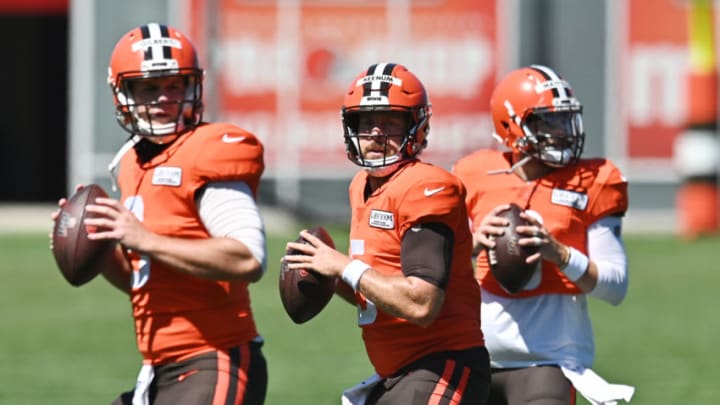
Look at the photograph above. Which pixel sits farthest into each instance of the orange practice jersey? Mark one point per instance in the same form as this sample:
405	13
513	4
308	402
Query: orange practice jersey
569	199
416	193
178	315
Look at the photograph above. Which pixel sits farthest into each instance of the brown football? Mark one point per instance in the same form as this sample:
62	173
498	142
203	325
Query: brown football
304	293
74	253
507	259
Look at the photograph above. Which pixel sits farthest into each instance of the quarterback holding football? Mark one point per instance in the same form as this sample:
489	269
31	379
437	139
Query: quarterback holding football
188	234
573	207
409	271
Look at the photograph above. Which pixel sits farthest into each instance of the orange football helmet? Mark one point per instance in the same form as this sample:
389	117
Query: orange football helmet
387	87
535	112
148	52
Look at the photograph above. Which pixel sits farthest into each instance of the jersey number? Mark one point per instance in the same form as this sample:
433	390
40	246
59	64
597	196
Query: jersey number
141	275
367	312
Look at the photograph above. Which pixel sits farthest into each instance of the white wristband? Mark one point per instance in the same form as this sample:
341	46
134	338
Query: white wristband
353	271
576	265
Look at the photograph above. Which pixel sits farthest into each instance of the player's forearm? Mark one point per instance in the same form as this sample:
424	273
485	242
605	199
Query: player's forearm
213	258
588	281
409	298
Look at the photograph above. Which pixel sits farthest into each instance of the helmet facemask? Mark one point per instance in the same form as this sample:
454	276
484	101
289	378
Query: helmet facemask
555	137
135	117
416	120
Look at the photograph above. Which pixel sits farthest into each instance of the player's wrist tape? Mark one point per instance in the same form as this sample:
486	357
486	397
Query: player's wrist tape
353	271
577	264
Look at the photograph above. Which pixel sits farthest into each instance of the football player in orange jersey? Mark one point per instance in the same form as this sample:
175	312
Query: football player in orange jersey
540	339
409	270
190	236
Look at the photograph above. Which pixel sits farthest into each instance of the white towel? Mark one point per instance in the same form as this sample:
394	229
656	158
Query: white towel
141	394
358	394
594	388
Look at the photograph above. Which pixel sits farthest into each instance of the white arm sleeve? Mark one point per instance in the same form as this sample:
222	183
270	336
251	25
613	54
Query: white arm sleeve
606	250
228	209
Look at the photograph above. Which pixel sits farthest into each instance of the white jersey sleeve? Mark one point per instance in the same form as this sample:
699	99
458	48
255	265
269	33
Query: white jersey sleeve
228	209
606	250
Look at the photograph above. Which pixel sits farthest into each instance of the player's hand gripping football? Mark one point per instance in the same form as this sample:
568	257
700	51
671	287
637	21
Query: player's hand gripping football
114	221
491	225
534	234
317	256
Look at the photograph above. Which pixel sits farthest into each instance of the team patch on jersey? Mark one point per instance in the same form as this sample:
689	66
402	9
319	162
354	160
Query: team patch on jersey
569	199
382	219
167	176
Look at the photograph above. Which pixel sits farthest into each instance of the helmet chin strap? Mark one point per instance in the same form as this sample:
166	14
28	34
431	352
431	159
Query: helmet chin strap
147	128
383	171
512	168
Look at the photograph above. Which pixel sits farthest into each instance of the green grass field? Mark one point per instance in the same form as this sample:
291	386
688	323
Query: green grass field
62	345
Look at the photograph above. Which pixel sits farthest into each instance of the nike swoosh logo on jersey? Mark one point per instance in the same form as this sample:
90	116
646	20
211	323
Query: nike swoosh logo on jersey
429	192
232	139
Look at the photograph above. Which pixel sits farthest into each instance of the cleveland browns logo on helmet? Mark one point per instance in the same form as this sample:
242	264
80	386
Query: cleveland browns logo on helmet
387	87
148	52
535	112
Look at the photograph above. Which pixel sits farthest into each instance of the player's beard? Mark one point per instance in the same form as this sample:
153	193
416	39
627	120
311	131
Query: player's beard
383	171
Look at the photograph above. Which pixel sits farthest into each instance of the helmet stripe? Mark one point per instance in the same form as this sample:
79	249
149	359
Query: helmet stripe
378	87
145	30
159	50
562	92
385	86
154	34
165	33
367	86
549	75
